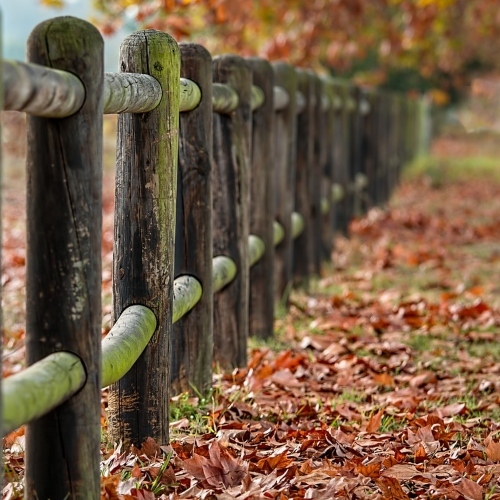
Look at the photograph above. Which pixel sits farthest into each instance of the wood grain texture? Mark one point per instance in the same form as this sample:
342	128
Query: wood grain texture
303	249
231	197
262	199
40	90
317	181
343	156
40	388
328	149
146	180
285	148
192	343
130	93
63	275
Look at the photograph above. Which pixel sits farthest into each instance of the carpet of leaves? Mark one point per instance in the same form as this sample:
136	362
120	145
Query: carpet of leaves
382	382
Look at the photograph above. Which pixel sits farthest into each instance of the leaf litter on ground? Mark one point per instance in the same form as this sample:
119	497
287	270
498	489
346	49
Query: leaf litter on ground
388	387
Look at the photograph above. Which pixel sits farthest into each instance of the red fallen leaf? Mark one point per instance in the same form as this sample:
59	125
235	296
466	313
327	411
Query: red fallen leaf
289	359
420	454
384	379
470	489
423	379
451	410
142	494
391	489
492	449
375	421
402	472
108	487
221	469
285	378
370	470
149	448
280	461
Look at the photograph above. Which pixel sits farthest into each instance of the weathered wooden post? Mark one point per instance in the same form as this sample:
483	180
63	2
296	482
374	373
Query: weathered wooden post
63	283
1	204
231	197
342	168
145	195
383	156
316	178
192	342
285	148
304	244
369	145
262	193
328	152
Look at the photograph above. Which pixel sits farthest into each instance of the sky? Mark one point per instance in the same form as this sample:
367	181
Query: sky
19	17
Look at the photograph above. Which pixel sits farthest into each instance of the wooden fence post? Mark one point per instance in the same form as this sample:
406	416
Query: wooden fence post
1	205
285	147
369	146
316	178
328	148
63	275
144	236
344	156
304	245
231	197
192	342
262	193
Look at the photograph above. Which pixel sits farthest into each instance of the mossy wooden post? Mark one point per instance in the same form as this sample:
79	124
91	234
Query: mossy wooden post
342	170
381	147
394	133
369	146
304	245
262	193
231	197
192	342
319	181
63	275
1	204
145	195
285	149
328	161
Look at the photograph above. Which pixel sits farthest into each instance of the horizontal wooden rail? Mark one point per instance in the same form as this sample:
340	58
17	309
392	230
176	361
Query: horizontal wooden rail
224	271
281	98
40	388
130	93
278	233
301	102
297	224
224	98
256	249
125	342
187	293
41	91
257	97
138	93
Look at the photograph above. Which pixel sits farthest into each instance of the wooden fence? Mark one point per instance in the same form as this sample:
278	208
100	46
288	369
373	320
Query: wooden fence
232	176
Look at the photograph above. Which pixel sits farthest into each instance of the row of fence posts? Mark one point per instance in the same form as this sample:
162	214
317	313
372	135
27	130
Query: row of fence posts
232	175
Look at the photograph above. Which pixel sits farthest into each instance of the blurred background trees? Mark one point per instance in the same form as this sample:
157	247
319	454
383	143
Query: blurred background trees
420	45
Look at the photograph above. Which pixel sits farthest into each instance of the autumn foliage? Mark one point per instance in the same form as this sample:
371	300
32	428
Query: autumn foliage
382	382
441	41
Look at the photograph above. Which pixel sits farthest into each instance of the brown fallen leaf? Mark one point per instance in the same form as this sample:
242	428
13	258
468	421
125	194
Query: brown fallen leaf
375	421
470	489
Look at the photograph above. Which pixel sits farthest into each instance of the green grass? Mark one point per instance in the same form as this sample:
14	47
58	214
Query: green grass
441	170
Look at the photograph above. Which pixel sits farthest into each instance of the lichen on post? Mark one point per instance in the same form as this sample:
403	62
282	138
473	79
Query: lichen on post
63	272
146	180
231	196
